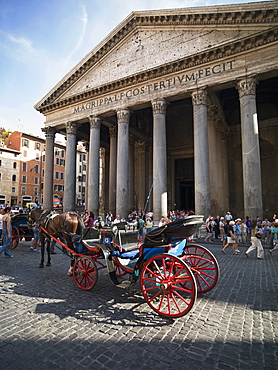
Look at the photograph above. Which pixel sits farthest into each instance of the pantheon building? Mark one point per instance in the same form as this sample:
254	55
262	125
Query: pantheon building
178	109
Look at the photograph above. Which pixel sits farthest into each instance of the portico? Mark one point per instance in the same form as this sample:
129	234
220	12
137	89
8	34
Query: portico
182	116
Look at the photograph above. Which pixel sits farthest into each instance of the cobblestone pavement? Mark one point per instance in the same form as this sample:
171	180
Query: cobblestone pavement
47	322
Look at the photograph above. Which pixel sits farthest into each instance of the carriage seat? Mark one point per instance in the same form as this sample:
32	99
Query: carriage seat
129	250
133	254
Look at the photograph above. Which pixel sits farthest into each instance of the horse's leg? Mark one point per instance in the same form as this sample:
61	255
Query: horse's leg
70	270
71	246
42	239
48	252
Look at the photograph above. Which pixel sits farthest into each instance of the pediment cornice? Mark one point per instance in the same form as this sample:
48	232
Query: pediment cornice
229	16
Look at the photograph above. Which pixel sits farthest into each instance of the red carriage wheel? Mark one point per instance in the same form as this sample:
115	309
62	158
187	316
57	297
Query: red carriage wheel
203	265
119	271
168	285
15	238
85	272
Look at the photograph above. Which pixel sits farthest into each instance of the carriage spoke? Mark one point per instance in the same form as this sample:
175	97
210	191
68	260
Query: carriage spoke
85	272
168	285
203	265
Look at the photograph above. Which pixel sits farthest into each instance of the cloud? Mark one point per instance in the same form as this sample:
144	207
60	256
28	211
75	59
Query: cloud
21	41
84	20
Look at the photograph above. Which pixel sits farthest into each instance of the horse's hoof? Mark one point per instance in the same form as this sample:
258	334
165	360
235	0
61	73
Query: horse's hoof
40	266
48	264
69	273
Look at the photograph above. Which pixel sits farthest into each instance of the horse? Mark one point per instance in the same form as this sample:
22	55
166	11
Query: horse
65	226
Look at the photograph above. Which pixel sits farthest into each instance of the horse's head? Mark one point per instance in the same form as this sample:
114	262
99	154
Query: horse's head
33	216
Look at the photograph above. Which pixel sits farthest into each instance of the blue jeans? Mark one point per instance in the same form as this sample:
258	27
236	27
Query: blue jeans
5	246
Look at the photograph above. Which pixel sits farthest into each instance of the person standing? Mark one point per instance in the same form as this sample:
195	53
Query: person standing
274	231
231	237
217	227
248	226
238	232
141	223
256	242
7	232
149	225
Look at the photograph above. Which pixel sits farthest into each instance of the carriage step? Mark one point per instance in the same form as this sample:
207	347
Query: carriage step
124	284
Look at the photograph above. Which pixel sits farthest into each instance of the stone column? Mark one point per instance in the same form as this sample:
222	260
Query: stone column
112	169
201	152
252	186
213	160
93	168
141	174
131	172
122	203
48	167
159	159
70	168
102	183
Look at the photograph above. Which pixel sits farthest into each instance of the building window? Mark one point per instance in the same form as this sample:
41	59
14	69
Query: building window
62	176
43	172
84	167
13	189
37	157
57	175
23	190
13	178
14	165
43	158
0	162
25	142
62	162
57	161
36	168
37	146
24	179
62	153
84	157
24	166
35	192
56	152
0	176
36	180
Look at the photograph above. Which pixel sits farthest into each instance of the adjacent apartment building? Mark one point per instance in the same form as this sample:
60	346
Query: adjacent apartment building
22	158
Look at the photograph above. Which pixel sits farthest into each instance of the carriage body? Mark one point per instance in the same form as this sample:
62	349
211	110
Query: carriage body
20	229
171	270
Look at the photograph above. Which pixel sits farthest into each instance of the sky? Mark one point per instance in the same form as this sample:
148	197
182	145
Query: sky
42	40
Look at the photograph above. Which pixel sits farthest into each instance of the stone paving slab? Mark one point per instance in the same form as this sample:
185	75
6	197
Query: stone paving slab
47	322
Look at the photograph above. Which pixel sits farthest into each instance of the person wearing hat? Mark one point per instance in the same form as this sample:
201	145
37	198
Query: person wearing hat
228	216
231	239
238	232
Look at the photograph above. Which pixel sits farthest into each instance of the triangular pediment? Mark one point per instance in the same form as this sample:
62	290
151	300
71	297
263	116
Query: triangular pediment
152	39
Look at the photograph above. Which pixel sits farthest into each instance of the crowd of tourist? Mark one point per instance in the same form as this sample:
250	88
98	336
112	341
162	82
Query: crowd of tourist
234	231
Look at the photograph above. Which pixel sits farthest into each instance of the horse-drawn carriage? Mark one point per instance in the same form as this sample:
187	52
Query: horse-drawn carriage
20	229
171	271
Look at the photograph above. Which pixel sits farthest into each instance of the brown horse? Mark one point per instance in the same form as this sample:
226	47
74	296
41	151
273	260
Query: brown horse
65	226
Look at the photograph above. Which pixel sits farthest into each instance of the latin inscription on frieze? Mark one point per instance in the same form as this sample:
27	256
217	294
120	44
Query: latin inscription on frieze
158	86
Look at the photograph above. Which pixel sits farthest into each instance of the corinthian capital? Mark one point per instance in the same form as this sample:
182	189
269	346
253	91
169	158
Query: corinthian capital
247	86
95	121
123	115
71	128
49	132
113	131
159	106
199	96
